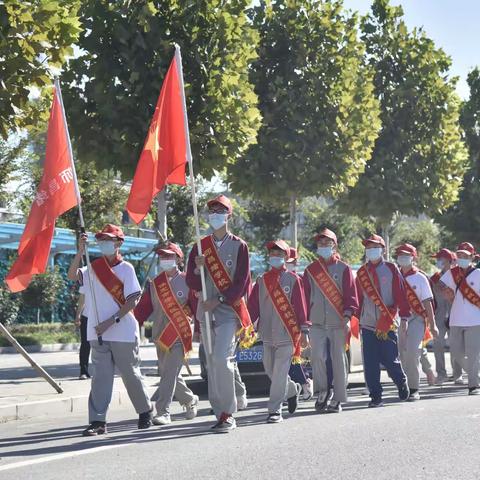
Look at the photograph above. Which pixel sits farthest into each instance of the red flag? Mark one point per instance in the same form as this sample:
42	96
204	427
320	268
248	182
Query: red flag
55	195
163	159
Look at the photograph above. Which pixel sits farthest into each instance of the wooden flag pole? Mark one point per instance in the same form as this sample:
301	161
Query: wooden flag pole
80	212
208	326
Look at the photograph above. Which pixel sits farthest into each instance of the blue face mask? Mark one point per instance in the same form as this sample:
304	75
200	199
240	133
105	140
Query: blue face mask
325	252
106	247
217	220
373	254
440	264
464	262
276	262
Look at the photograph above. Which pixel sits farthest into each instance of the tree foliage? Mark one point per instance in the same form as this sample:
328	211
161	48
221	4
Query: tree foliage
320	117
35	35
126	49
419	157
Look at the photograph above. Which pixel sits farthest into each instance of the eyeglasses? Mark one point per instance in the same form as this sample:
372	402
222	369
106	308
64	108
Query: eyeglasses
221	210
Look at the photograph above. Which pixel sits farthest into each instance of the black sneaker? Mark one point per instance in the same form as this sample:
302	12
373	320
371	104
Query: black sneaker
334	407
145	420
94	429
293	401
321	403
403	392
474	391
226	423
375	403
274	418
414	395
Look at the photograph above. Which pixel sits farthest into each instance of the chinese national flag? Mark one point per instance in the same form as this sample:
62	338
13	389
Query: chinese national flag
55	195
163	159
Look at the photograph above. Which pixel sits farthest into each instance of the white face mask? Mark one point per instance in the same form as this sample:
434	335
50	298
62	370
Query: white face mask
291	267
217	220
167	265
276	262
325	252
464	262
373	254
106	247
440	264
404	260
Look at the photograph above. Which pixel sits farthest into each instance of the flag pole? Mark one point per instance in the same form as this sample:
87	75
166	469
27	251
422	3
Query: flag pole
80	211
208	326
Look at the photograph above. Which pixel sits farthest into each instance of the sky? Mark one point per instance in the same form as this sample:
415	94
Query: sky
452	24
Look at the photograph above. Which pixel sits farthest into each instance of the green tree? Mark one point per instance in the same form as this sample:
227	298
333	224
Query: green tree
35	36
463	218
320	117
111	89
419	157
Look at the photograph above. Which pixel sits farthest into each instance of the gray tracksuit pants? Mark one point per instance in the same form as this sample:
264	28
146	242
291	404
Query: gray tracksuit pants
465	347
410	349
125	356
318	340
171	382
276	361
439	345
221	366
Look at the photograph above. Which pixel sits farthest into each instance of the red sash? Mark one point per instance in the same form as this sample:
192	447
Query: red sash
109	280
178	316
386	321
435	278
417	306
284	309
327	285
467	291
222	282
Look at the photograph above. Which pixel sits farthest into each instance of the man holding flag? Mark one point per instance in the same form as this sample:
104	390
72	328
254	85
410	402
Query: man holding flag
116	290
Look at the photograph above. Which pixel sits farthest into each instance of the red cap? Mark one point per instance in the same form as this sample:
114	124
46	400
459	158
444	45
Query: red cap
406	249
374	239
326	233
446	254
292	255
466	247
170	248
110	231
221	200
280	245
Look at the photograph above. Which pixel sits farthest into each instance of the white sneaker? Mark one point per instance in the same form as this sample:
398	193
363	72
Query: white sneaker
192	408
242	403
307	393
459	381
162	419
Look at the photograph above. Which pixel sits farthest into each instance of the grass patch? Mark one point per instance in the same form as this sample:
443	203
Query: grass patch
41	334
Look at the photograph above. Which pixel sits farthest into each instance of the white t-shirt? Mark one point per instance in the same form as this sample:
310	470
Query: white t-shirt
127	329
419	282
463	313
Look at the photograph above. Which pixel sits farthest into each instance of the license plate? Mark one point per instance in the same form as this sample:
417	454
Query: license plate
250	355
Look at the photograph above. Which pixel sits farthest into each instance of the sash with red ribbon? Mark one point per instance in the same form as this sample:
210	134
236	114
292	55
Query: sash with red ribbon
222	282
178	316
284	309
386	322
435	278
467	291
109	280
417	306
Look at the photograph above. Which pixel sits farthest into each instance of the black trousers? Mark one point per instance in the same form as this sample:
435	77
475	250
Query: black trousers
84	346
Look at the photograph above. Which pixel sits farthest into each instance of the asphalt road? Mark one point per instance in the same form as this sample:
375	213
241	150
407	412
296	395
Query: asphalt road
436	438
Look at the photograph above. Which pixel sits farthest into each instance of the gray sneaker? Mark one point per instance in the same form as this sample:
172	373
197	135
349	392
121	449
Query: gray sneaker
191	408
274	418
163	419
225	424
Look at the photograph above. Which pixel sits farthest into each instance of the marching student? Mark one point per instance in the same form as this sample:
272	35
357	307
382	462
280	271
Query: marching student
382	297
418	329
278	303
116	291
297	371
444	260
227	275
331	297
169	303
463	290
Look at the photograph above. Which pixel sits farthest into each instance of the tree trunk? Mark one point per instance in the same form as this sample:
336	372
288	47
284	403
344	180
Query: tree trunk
293	220
386	237
162	214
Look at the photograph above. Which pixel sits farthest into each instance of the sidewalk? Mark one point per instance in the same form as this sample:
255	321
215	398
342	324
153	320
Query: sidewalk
24	394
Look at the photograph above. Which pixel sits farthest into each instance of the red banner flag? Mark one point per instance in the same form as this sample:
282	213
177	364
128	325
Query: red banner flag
55	195
163	159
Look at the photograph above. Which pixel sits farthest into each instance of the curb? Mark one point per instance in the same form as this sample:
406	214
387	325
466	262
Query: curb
62	406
